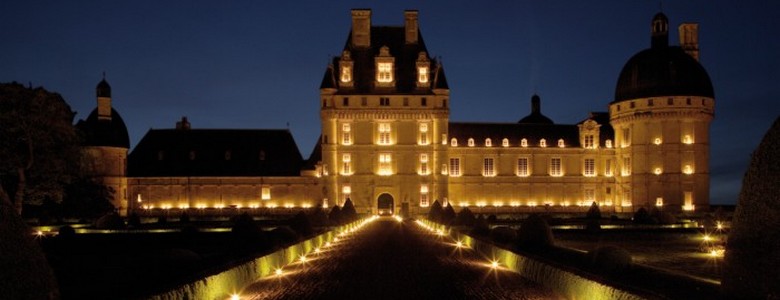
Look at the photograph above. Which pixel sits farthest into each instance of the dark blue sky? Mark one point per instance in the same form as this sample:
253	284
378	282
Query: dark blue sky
258	64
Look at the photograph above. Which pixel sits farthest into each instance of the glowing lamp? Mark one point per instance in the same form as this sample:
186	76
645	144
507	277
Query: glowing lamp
235	297
279	272
494	264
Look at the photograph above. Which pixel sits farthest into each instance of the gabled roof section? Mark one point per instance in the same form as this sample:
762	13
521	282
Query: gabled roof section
514	132
315	156
606	132
215	152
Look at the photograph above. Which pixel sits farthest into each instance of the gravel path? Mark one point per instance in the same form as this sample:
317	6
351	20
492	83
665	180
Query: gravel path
387	259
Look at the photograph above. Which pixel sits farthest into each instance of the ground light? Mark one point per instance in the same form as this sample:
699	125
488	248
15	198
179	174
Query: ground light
279	272
235	297
494	264
303	258
459	244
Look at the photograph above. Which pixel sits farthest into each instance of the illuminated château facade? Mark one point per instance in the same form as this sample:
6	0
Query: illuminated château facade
387	142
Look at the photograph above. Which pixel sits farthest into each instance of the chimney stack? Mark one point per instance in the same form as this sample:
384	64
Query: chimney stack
689	39
536	104
410	26
361	28
184	124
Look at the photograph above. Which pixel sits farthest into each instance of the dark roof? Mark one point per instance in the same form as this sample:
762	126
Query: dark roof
662	71
217	152
103	89
315	156
606	132
536	116
514	132
108	133
405	69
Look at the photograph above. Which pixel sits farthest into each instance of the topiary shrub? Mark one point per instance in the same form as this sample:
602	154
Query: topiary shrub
448	215
665	217
465	217
534	233
334	217
318	217
66	232
189	229
301	224
184	218
435	212
492	219
283	235
348	213
162	220
752	263
641	216
481	227
594	212
609	259
134	220
503	235
244	225
110	221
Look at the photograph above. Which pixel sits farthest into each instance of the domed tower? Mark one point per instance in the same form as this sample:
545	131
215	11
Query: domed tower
661	114
106	143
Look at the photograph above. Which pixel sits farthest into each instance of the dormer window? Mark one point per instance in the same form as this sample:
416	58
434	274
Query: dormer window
543	143
345	69
454	142
422	74
346	74
524	143
384	67
561	143
505	143
488	142
471	142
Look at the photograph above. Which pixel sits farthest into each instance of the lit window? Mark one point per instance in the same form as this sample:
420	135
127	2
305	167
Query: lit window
454	142
384	72
471	142
424	134
346	190
657	171
626	198
659	201
608	143
524	143
657	141
590	167
555	167
455	167
687	139
424	195
688	169
589	144
346	164
488	169
608	167
590	195
561	143
626	138
444	169
265	193
385	167
424	164
422	74
626	166
346	134
543	143
522	167
688	201
505	143
443	138
346	74
488	142
384	134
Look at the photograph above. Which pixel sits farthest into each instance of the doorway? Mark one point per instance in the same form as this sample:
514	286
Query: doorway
384	205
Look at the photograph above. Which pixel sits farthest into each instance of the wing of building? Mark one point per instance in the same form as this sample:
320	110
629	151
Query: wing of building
387	142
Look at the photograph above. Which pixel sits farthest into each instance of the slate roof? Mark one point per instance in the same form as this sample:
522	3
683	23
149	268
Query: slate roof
108	133
514	132
364	70
215	152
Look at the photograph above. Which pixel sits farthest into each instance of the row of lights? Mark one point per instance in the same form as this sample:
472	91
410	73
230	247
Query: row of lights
304	258
223	206
493	264
531	203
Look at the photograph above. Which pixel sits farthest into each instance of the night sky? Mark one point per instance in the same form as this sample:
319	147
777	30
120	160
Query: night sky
258	64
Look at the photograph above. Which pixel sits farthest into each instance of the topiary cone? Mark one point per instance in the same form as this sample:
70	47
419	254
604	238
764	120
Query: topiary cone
752	262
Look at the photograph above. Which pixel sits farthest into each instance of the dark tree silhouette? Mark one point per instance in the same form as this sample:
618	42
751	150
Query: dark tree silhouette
465	217
334	217
348	213
448	215
39	146
436	211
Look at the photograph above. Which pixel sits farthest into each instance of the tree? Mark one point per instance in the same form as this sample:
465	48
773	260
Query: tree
448	215
436	211
39	146
348	212
87	199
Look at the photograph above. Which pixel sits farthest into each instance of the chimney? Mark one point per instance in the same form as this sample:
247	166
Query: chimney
361	28
410	26
536	104
183	124
689	39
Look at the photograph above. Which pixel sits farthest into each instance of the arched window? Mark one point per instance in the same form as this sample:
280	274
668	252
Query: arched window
543	143
505	143
454	142
524	143
561	143
471	142
488	142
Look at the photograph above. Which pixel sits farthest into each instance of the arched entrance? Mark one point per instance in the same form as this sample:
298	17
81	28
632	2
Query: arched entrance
384	204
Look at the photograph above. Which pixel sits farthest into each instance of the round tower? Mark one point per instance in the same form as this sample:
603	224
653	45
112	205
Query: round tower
106	144
661	114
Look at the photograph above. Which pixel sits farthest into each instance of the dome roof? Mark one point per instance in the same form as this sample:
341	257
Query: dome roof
107	133
103	89
667	71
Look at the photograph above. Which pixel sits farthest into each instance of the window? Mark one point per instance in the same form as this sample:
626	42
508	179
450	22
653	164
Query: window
455	167
424	164
687	139
385	167
346	192
424	195
422	74
670	101
589	167
608	167
488	142
659	201
688	101
384	72
443	138
626	198
688	169
346	164
384	134
631	104
384	101
454	142
522	167
555	167
345	101
657	141
265	193
444	103
626	166
543	143
471	142
688	201
561	144
590	195
406	101
608	143
424	134
626	138
524	143
488	169
589	144
505	143
346	74
346	134
649	102
423	101
363	101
